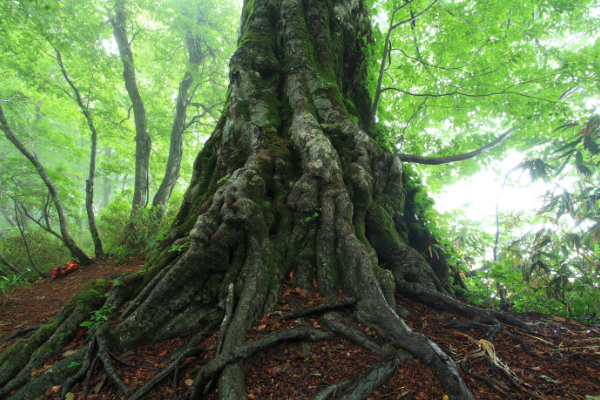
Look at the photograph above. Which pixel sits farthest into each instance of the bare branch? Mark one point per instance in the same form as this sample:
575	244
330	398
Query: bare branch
460	157
456	92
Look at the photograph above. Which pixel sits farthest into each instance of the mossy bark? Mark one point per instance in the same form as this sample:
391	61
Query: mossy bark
290	180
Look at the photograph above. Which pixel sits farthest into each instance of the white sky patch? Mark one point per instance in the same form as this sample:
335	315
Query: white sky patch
110	46
478	193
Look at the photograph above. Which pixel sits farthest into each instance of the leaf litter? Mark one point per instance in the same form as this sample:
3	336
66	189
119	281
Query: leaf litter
564	360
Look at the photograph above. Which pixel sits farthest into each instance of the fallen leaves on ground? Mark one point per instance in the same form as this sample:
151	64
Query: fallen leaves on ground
564	361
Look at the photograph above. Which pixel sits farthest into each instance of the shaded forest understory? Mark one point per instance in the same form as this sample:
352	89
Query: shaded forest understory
563	361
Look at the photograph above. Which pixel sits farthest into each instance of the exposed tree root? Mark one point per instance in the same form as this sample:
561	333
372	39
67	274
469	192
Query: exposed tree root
442	302
165	373
88	380
320	309
289	181
108	367
345	329
247	350
331	390
372	378
18	362
125	363
85	366
27	331
194	341
175	376
466	370
491	331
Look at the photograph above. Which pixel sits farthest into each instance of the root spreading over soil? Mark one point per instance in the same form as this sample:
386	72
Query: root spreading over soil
563	361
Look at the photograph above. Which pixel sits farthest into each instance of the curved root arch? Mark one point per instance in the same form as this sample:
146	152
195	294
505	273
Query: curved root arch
289	181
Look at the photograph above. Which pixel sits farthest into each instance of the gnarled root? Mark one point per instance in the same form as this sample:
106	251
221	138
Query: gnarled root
445	303
27	331
247	350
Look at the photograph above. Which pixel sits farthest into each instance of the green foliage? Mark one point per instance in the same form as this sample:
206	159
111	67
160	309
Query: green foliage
9	280
47	253
554	267
463	72
223	179
314	216
98	317
179	248
126	237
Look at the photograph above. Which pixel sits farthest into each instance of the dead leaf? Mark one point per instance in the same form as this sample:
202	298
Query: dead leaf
68	353
189	382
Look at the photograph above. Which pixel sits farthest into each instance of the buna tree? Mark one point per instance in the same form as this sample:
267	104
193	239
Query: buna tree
291	180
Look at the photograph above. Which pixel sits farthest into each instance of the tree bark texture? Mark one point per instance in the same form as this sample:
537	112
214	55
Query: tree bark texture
62	218
196	57
289	181
143	142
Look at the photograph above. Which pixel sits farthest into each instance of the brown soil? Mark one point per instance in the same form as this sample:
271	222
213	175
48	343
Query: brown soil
38	302
564	362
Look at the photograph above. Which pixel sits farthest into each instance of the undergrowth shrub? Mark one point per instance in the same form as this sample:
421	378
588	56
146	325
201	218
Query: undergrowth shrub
125	237
46	251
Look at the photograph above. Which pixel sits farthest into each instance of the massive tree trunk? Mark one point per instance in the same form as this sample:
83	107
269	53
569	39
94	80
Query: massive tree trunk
289	181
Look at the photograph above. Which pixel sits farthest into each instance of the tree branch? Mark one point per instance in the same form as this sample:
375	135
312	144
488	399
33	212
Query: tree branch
464	94
460	157
406	21
206	111
37	221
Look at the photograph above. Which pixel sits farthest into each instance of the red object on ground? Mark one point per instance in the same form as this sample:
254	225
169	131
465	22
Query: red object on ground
64	270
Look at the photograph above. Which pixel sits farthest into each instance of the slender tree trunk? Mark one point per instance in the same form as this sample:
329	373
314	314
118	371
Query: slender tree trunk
143	142
26	243
176	143
89	183
12	267
106	182
66	237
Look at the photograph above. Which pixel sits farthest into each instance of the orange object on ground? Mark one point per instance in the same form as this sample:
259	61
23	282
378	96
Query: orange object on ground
64	270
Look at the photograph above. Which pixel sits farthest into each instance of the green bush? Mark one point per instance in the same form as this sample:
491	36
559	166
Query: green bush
125	237
46	251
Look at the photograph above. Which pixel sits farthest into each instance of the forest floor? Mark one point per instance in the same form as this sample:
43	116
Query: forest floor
563	361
